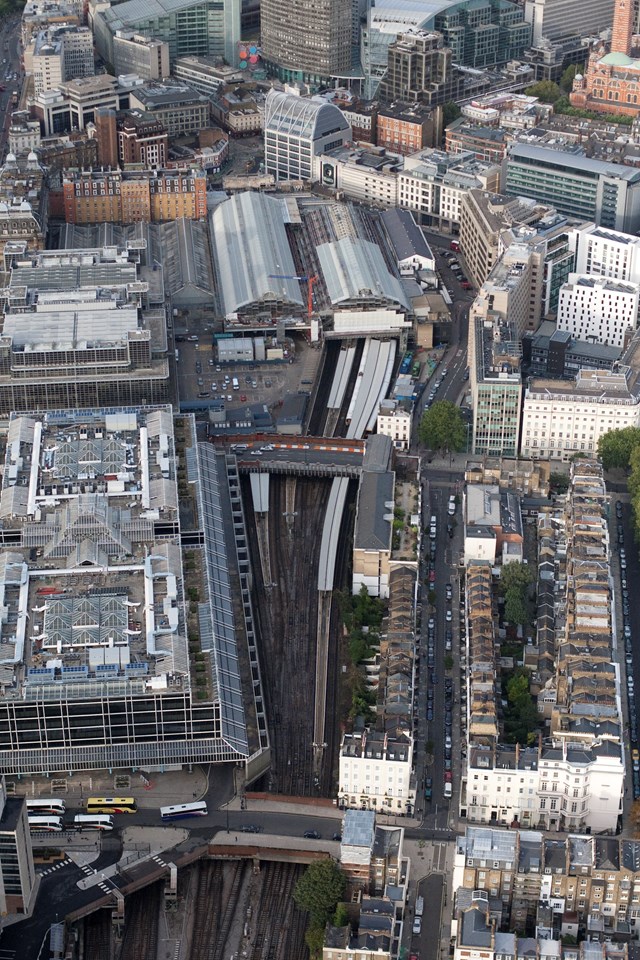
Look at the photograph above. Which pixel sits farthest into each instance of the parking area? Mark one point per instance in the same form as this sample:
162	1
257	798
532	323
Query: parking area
201	377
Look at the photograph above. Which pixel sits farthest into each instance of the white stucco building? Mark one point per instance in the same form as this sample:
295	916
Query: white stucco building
375	772
560	417
598	308
433	183
395	422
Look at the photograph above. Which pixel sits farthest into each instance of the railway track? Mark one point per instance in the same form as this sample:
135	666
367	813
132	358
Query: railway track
208	904
226	917
141	924
279	929
97	935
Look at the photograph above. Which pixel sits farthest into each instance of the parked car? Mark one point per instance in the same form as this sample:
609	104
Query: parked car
448	591
311	835
428	788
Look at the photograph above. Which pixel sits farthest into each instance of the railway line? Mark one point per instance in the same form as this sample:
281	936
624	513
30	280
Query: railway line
279	927
97	935
141	928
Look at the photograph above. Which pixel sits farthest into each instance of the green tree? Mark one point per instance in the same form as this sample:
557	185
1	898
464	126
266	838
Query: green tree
521	721
314	939
616	446
546	90
515	575
319	890
566	81
515	608
442	428
450	112
341	916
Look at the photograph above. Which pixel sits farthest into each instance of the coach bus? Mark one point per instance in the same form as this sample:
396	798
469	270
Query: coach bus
93	821
183	810
43	807
45	824
111	805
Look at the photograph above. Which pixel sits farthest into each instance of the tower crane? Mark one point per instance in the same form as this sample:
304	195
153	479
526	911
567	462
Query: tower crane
308	280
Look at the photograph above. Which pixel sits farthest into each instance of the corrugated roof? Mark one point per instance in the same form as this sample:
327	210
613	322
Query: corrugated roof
355	269
250	245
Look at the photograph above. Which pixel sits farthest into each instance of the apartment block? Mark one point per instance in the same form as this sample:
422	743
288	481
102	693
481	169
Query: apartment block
588	190
562	418
407	127
146	57
433	184
599	309
132	197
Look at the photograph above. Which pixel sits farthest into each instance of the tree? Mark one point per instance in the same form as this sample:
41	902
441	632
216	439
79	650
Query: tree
521	716
515	575
546	90
450	112
442	428
569	75
314	939
559	482
515	608
616	446
319	889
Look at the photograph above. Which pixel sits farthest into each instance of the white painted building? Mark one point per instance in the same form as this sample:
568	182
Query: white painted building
375	772
599	309
395	422
606	253
560	417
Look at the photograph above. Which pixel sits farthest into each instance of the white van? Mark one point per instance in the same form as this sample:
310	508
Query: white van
448	790
417	925
236	385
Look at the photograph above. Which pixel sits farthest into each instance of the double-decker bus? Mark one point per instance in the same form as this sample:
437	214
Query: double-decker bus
93	821
183	810
42	807
45	824
111	805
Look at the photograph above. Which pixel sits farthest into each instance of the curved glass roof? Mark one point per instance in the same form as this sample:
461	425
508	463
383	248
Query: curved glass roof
306	117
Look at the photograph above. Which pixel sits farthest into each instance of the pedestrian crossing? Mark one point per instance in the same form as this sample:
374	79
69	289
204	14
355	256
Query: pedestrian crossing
56	866
90	872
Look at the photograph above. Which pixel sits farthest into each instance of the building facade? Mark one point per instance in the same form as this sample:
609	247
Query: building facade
307	44
589	190
496	388
433	184
560	419
405	128
599	309
179	108
117	197
297	130
145	56
395	422
375	773
420	69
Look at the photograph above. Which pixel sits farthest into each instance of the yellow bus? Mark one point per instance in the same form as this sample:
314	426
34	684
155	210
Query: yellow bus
111	805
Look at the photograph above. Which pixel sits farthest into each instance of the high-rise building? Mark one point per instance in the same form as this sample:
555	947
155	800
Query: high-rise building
496	387
304	42
555	19
297	130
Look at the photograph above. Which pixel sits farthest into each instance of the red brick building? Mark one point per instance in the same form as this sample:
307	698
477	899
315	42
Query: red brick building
611	82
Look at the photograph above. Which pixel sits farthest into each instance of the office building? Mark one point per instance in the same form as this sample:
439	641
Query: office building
73	105
553	353
433	184
106	676
556	19
145	57
239	108
17	873
369	175
307	44
599	309
589	190
485	143
180	109
204	28
496	388
420	69
480	34
561	418
134	196
58	54
297	130
24	134
205	74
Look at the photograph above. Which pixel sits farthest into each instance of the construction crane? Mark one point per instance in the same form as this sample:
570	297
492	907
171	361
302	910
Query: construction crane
308	280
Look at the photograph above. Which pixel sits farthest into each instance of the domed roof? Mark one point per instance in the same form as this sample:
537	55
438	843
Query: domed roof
620	60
